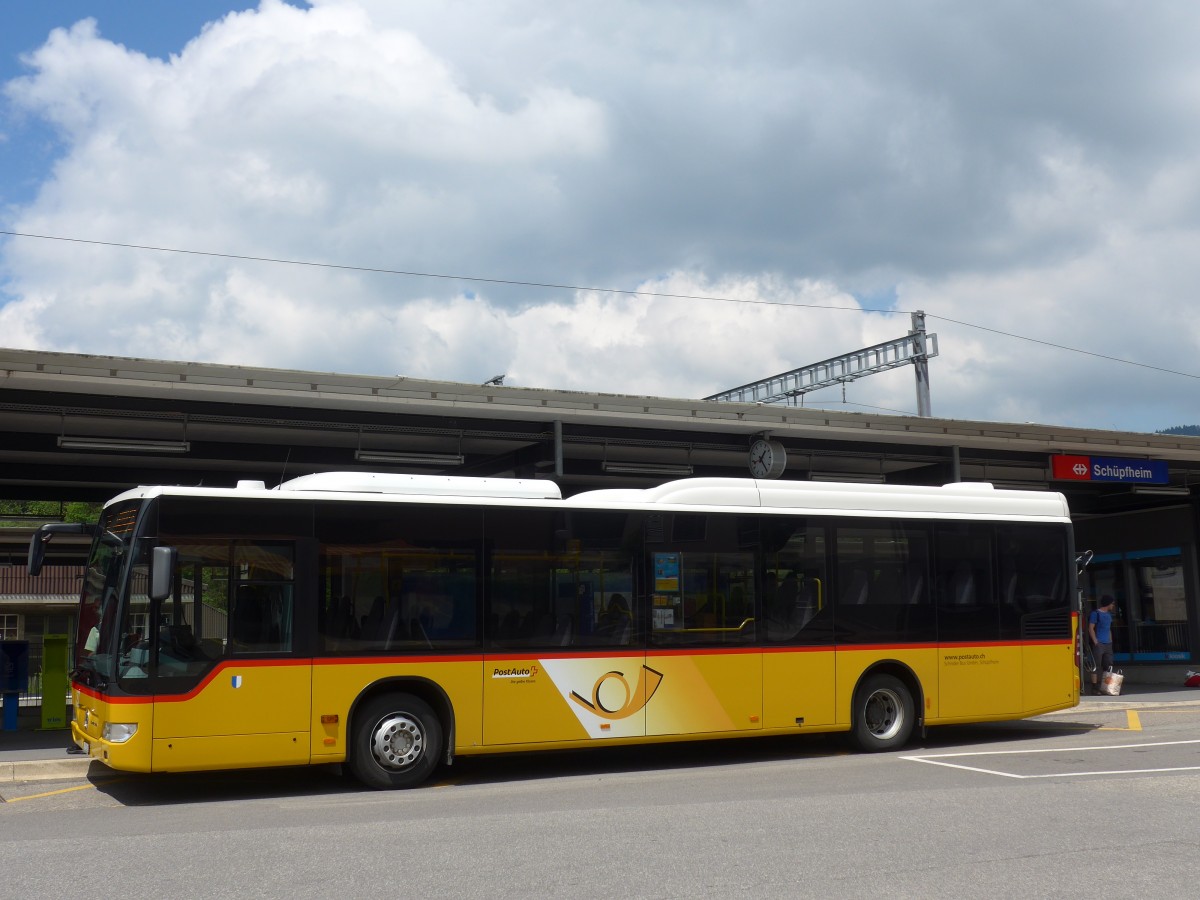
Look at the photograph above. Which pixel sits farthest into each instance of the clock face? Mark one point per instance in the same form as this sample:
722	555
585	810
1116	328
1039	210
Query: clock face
767	459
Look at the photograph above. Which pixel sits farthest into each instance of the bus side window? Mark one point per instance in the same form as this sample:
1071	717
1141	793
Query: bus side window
963	568
260	620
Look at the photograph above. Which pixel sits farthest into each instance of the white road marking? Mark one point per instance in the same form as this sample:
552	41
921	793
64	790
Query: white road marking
937	759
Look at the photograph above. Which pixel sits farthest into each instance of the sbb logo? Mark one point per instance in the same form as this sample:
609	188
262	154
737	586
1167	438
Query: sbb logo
1071	468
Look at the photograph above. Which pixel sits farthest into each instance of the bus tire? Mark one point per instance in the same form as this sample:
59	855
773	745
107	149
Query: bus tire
397	742
884	714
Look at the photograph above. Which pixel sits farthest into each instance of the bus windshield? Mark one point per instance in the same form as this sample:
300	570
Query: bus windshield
95	641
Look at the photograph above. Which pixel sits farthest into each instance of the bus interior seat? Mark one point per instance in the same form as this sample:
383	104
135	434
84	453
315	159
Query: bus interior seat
916	589
245	625
258	618
510	625
962	586
179	641
393	628
562	634
624	632
857	586
271	611
808	603
417	630
345	624
372	623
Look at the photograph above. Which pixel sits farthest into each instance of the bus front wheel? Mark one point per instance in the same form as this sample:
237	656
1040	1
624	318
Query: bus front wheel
884	714
397	742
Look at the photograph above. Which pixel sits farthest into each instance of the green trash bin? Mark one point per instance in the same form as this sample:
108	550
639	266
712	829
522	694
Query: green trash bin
54	681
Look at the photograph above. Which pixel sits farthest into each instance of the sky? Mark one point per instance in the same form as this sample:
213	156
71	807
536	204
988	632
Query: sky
654	199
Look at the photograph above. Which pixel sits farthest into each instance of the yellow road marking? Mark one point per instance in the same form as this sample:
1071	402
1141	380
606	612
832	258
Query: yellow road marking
1134	722
79	787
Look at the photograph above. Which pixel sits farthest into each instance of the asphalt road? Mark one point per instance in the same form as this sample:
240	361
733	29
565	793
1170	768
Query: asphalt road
1097	802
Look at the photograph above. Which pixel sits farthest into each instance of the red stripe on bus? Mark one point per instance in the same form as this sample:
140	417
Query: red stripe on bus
208	679
379	660
557	654
563	654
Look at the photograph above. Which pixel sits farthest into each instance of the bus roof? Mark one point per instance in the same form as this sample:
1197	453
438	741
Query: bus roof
960	500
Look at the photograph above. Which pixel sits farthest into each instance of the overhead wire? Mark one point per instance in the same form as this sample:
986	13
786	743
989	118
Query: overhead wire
478	279
513	282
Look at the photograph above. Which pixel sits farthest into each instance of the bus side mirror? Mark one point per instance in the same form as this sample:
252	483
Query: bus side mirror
41	537
37	554
162	572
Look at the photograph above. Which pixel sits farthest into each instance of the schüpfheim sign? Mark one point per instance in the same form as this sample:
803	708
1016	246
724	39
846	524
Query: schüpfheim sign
1109	468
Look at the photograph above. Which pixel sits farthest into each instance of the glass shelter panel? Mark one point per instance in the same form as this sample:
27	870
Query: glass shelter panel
1150	619
1159	615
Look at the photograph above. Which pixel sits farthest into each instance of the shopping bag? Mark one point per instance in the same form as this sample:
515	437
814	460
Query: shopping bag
1110	683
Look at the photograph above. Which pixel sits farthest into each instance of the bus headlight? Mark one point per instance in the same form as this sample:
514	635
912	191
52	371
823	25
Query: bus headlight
119	732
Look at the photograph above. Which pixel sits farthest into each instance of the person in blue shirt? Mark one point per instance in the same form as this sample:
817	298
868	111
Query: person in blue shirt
1100	631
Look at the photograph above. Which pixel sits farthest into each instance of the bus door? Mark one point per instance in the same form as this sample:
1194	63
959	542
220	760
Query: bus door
229	688
548	697
980	659
702	663
797	625
576	673
564	659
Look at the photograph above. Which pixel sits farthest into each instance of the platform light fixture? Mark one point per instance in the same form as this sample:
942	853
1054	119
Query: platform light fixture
1162	490
621	468
413	458
851	477
122	445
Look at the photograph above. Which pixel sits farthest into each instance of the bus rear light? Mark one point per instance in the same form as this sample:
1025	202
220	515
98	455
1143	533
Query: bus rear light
119	732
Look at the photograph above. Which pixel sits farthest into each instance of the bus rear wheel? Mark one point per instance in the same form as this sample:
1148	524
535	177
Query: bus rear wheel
884	714
397	742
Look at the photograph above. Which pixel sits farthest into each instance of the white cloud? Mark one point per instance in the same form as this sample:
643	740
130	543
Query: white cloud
1026	168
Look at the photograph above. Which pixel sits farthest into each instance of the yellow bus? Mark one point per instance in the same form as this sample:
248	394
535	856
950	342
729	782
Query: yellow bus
393	622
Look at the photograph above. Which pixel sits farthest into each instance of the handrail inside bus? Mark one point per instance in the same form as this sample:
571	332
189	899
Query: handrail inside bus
745	624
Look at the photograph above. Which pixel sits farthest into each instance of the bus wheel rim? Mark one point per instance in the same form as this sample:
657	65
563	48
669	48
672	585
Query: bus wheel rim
884	714
397	741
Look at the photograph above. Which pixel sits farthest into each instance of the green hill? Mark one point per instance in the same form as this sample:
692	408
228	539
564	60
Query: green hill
1186	430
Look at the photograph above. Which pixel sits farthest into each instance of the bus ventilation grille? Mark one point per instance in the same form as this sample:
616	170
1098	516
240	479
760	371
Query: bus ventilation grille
1052	624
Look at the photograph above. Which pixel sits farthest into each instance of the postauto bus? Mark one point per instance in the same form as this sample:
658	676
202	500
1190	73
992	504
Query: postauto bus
393	622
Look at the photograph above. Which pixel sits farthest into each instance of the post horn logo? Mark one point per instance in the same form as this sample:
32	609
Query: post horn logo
635	699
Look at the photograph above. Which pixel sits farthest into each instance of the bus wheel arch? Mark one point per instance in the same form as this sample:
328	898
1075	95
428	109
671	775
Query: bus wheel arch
886	707
400	731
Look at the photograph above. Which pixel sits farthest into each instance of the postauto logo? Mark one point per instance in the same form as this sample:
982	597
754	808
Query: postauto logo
1108	468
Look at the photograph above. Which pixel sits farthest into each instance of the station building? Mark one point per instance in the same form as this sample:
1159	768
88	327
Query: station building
84	427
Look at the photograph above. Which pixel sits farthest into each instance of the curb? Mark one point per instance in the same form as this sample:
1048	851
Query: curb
1094	704
45	770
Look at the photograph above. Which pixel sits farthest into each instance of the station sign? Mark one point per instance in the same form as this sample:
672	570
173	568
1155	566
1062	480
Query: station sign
1109	468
